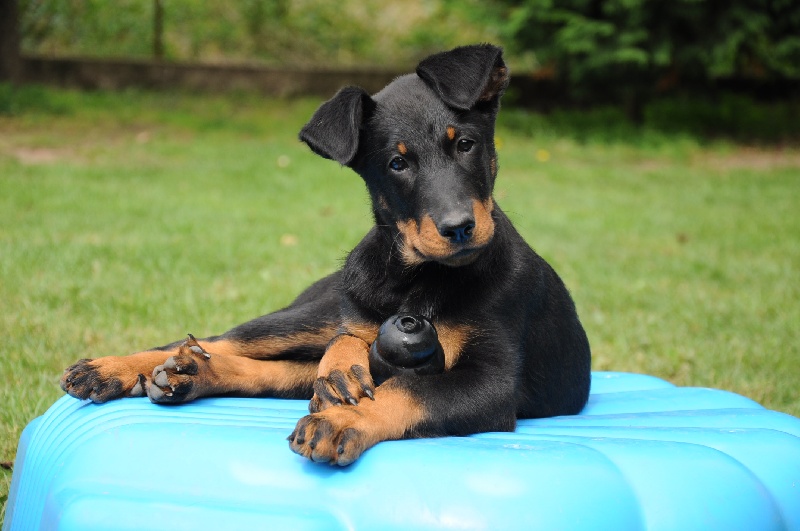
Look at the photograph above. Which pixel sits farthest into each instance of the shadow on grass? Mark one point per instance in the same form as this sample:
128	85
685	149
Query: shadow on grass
729	118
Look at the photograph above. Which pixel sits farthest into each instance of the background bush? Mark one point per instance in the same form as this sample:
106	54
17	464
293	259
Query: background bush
625	50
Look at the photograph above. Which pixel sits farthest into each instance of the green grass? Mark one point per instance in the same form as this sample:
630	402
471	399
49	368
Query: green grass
129	219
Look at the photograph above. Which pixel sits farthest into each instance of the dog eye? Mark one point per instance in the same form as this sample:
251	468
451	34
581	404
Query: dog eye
464	145
398	164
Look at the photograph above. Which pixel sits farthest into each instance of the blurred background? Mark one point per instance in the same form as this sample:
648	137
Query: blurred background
585	52
152	183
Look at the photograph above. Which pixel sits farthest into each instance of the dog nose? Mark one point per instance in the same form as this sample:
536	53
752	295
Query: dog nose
457	231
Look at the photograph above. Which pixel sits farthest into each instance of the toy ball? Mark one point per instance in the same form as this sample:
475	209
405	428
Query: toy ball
406	344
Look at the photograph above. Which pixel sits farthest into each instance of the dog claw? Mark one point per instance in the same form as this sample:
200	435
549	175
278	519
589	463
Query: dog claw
195	347
198	350
140	387
155	393
161	379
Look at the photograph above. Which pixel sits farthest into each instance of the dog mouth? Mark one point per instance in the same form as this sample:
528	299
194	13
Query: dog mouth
459	258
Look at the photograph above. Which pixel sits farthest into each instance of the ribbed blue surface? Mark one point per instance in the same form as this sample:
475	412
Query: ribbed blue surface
643	455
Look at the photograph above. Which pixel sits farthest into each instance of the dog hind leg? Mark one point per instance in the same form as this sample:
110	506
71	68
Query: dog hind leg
275	354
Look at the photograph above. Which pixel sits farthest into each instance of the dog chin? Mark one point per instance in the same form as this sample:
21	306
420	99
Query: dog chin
461	258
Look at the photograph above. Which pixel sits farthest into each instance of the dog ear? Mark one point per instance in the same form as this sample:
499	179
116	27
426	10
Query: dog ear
334	129
467	75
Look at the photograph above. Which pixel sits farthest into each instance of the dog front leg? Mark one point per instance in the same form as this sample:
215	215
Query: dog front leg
339	435
476	395
343	376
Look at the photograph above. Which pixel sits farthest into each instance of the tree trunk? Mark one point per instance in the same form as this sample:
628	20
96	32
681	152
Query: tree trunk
158	30
10	65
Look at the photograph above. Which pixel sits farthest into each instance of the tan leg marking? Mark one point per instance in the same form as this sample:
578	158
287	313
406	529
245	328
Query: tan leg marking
191	374
343	375
340	435
367	332
270	346
344	352
111	377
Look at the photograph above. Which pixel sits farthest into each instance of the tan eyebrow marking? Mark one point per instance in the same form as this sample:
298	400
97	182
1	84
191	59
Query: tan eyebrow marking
451	132
402	148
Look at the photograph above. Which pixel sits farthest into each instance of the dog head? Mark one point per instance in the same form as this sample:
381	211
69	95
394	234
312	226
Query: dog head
424	145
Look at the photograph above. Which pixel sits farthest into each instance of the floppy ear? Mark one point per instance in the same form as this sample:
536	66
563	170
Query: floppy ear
467	75
334	129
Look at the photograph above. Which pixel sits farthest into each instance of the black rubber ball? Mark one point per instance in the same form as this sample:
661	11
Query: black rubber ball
405	344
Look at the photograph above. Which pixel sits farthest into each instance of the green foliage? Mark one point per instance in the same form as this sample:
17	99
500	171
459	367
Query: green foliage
84	27
624	48
296	33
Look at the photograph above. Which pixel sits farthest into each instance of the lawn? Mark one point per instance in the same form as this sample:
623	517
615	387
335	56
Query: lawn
129	219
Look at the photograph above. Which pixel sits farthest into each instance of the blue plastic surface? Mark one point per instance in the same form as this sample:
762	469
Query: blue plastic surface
642	455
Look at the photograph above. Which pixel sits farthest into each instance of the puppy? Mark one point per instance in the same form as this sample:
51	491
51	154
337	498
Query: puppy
441	248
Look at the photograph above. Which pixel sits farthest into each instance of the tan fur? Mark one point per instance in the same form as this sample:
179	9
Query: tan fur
453	338
270	346
343	373
390	416
244	376
126	369
233	366
484	224
365	331
344	352
422	241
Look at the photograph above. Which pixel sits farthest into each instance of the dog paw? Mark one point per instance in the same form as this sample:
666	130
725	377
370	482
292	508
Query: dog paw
342	387
330	436
99	380
174	381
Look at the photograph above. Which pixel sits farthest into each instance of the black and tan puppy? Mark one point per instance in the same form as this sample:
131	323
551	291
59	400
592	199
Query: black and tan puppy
441	248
